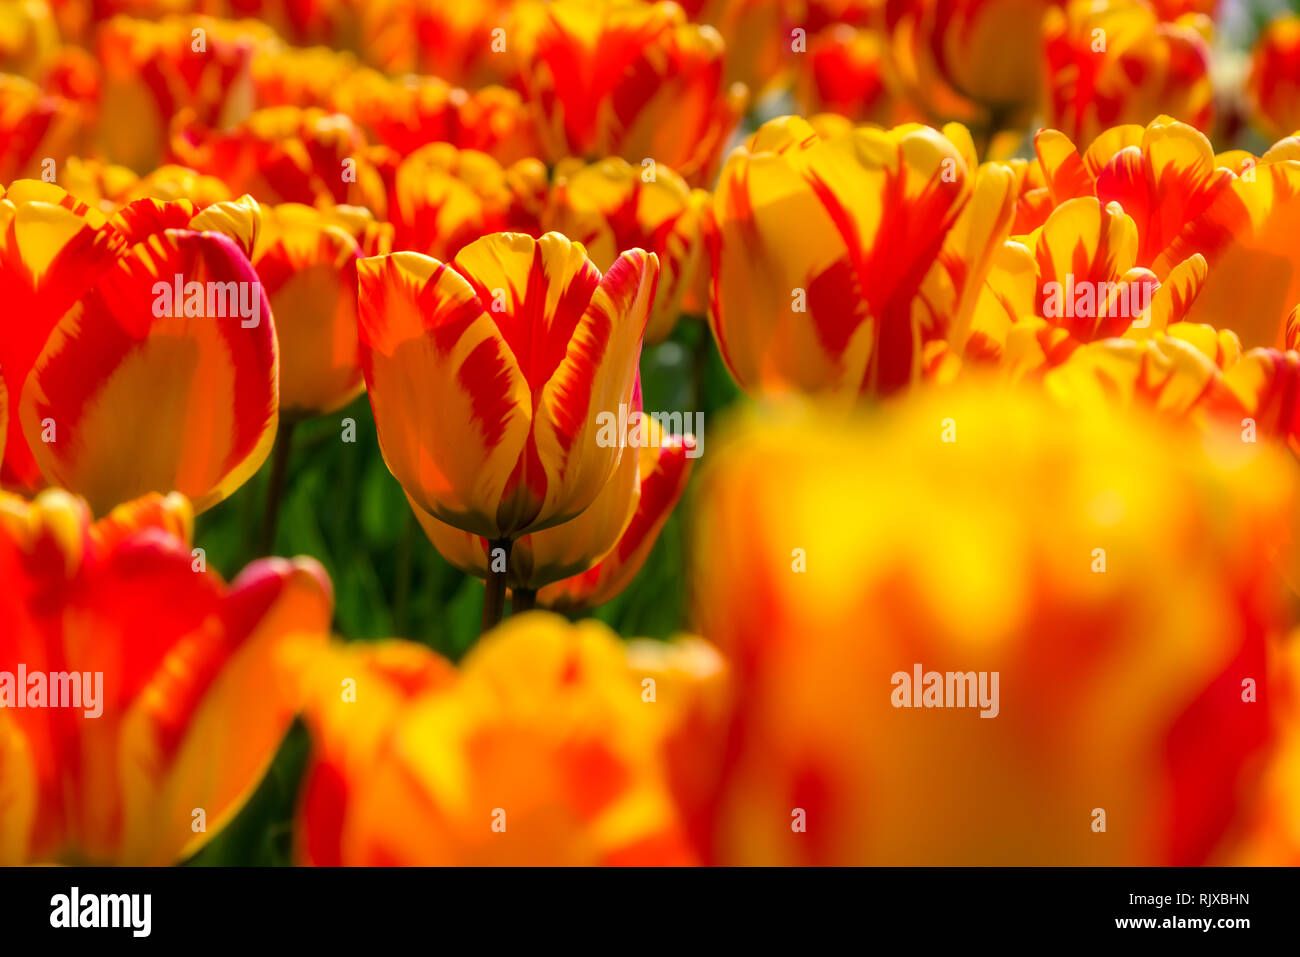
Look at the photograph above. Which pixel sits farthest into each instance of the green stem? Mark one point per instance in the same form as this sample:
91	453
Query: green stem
275	487
494	596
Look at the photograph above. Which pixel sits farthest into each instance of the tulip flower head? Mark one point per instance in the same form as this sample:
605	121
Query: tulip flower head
487	374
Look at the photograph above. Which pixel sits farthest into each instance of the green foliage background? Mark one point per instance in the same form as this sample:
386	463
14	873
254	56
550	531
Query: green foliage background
343	507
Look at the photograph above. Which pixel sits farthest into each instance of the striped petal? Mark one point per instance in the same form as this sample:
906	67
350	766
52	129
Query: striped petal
307	263
664	472
451	403
145	387
52	249
123	786
1247	238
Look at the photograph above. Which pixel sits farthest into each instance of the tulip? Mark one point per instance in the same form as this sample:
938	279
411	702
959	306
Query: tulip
611	206
852	73
444	198
663	475
625	78
154	767
29	37
1113	574
52	249
1164	175
150	72
822	251
408	112
306	260
759	35
540	750
1246	235
1274	82
36	128
1114	62
466	44
591	558
285	155
163	374
520	345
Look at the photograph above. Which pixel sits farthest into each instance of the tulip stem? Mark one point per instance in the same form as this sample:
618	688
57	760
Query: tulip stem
275	487
494	597
525	599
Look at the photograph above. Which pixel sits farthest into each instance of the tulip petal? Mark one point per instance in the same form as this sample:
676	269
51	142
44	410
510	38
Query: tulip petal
125	401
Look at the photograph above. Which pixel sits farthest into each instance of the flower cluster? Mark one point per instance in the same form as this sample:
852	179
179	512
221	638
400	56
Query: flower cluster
992	560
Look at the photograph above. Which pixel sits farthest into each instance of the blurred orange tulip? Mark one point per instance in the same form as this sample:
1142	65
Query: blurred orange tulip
626	78
541	750
141	760
1111	576
408	112
1114	62
151	71
443	198
612	205
286	155
487	375
1274	82
163	374
37	129
823	255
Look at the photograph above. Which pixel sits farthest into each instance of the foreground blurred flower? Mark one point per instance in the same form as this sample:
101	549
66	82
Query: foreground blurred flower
163	374
589	559
626	78
121	780
541	750
1143	555
1114	62
1274	83
487	374
823	255
612	205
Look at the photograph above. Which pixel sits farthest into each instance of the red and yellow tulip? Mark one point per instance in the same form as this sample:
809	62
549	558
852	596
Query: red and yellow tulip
589	559
541	749
306	260
823	255
612	205
626	78
162	374
1145	555
443	198
1274	82
487	375
1114	62
148	772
